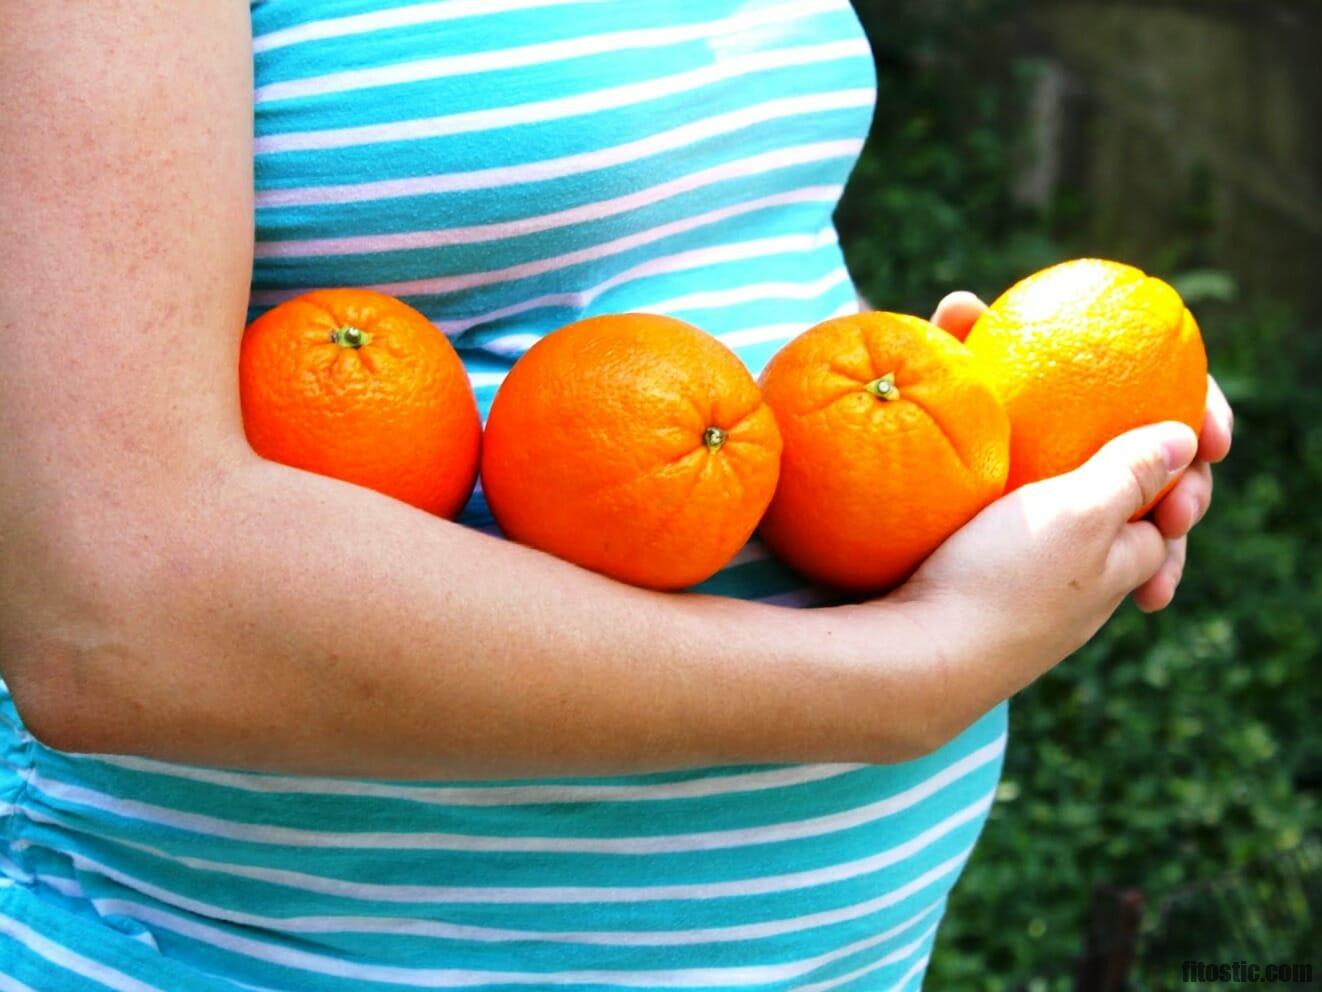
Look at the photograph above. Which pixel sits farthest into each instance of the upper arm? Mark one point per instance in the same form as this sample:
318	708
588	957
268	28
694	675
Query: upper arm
126	234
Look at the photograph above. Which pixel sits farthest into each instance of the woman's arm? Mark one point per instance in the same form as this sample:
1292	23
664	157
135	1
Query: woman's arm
165	592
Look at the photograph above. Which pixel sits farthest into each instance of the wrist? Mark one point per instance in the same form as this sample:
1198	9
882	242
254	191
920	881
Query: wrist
888	685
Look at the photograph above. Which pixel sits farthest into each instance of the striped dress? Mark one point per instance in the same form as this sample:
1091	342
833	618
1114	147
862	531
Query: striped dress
507	166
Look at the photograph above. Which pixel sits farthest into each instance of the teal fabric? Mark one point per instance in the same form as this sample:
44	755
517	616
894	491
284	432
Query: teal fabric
507	166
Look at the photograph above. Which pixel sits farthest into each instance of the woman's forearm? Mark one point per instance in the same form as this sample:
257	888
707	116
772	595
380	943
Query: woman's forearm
153	601
288	622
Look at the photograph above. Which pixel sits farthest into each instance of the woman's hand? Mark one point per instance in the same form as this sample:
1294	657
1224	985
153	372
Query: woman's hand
1033	576
1184	505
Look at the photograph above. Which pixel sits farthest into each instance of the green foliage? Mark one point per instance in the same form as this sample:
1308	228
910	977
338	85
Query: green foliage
928	206
1183	745
1177	747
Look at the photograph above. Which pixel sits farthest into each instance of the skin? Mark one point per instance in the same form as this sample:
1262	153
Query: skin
165	592
1184	505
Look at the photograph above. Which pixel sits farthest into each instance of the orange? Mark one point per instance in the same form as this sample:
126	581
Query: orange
359	386
893	440
634	445
1083	351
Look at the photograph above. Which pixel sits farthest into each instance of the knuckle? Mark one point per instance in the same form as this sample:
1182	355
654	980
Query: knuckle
1141	554
1091	525
1149	475
1201	491
1155	551
1135	490
1083	522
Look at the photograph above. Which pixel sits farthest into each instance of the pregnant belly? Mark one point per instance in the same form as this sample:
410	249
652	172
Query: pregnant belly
763	875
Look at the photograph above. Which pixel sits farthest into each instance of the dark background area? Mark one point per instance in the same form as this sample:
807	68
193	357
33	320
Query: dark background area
1178	755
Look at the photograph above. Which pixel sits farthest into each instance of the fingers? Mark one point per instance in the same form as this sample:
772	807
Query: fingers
958	312
1186	504
1157	592
1218	425
1130	470
1137	555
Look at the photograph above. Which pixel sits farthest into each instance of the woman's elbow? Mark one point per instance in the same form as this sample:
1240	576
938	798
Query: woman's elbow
75	637
44	681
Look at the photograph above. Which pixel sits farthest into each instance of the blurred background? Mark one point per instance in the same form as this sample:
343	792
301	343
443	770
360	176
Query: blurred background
1162	798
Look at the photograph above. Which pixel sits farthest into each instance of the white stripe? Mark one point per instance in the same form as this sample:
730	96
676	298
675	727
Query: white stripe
541	53
753	551
72	961
64	886
513	795
802	598
893	957
762	334
756	165
663	265
900	983
516	344
530	895
511	345
5	720
13	870
267	988
397	17
261	833
542	111
164	918
439	285
13	985
568	165
919	966
779	332
465	978
715	299
425	928
694	258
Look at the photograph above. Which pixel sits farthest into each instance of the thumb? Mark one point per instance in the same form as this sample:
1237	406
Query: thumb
1130	470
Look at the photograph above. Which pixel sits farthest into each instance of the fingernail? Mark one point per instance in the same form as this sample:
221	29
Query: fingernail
1179	450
